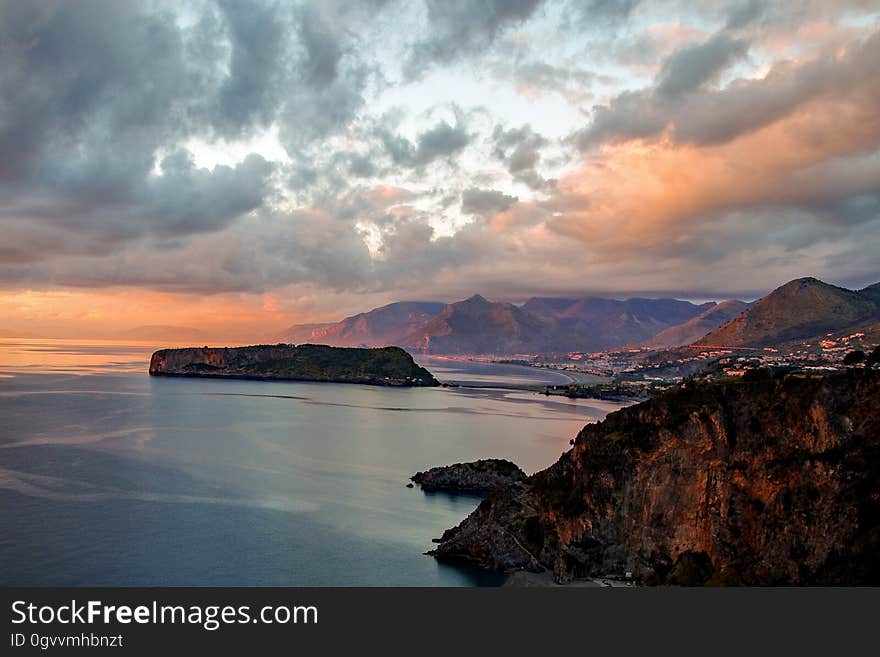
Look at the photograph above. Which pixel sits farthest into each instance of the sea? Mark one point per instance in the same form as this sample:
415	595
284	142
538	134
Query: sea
110	477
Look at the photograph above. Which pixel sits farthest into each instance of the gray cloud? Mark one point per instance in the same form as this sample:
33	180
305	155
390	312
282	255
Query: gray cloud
457	28
689	68
441	141
485	201
745	12
708	116
186	200
541	77
520	150
251	92
589	12
97	97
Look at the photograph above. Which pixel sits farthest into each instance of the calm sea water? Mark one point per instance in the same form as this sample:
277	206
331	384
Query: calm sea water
111	477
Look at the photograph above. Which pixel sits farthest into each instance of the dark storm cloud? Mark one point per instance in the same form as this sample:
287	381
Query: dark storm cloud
485	202
708	116
459	28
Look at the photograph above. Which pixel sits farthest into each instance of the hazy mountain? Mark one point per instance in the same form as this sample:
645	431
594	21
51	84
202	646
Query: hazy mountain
379	327
478	326
609	323
804	308
694	329
801	309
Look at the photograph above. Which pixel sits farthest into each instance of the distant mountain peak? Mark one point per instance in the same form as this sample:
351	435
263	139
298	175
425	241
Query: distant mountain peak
798	310
380	327
695	328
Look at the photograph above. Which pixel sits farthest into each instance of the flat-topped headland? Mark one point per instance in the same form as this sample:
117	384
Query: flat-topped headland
385	366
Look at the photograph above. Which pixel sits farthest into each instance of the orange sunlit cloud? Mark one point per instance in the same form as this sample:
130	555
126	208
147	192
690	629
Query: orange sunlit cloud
638	192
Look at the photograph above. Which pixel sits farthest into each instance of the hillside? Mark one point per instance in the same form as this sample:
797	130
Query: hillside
871	292
695	328
478	326
801	309
610	323
388	366
740	482
379	327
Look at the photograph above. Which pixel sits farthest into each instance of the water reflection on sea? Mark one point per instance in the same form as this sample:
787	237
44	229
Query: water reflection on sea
110	477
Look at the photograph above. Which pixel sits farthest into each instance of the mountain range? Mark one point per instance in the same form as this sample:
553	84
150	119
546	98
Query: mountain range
801	309
479	326
609	323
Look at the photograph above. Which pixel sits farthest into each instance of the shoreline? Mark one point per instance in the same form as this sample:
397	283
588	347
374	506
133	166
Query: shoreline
269	377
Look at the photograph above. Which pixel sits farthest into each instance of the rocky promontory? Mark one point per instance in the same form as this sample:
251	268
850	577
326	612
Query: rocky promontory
732	482
480	476
386	366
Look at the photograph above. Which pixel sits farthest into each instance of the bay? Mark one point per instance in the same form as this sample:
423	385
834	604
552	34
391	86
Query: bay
111	477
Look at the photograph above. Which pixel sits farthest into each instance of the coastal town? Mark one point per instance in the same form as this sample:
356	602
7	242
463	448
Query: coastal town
639	373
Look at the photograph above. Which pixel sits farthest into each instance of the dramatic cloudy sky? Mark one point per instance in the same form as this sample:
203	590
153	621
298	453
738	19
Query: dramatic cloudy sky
241	166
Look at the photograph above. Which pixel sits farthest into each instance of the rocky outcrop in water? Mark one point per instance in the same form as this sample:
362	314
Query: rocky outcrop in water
737	482
476	477
388	366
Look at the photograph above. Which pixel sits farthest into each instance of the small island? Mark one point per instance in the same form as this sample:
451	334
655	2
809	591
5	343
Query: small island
481	476
386	366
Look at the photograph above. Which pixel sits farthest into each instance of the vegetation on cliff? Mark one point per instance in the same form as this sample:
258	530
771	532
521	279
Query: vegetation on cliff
390	366
767	481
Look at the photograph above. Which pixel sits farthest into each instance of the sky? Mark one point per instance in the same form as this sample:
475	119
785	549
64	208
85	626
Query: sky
241	167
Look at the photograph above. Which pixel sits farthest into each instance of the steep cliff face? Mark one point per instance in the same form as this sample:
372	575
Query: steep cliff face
389	366
753	482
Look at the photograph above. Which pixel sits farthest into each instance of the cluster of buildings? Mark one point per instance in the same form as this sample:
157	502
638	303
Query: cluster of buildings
638	373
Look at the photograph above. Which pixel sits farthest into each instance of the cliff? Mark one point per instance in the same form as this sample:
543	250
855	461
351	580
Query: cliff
388	366
752	482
